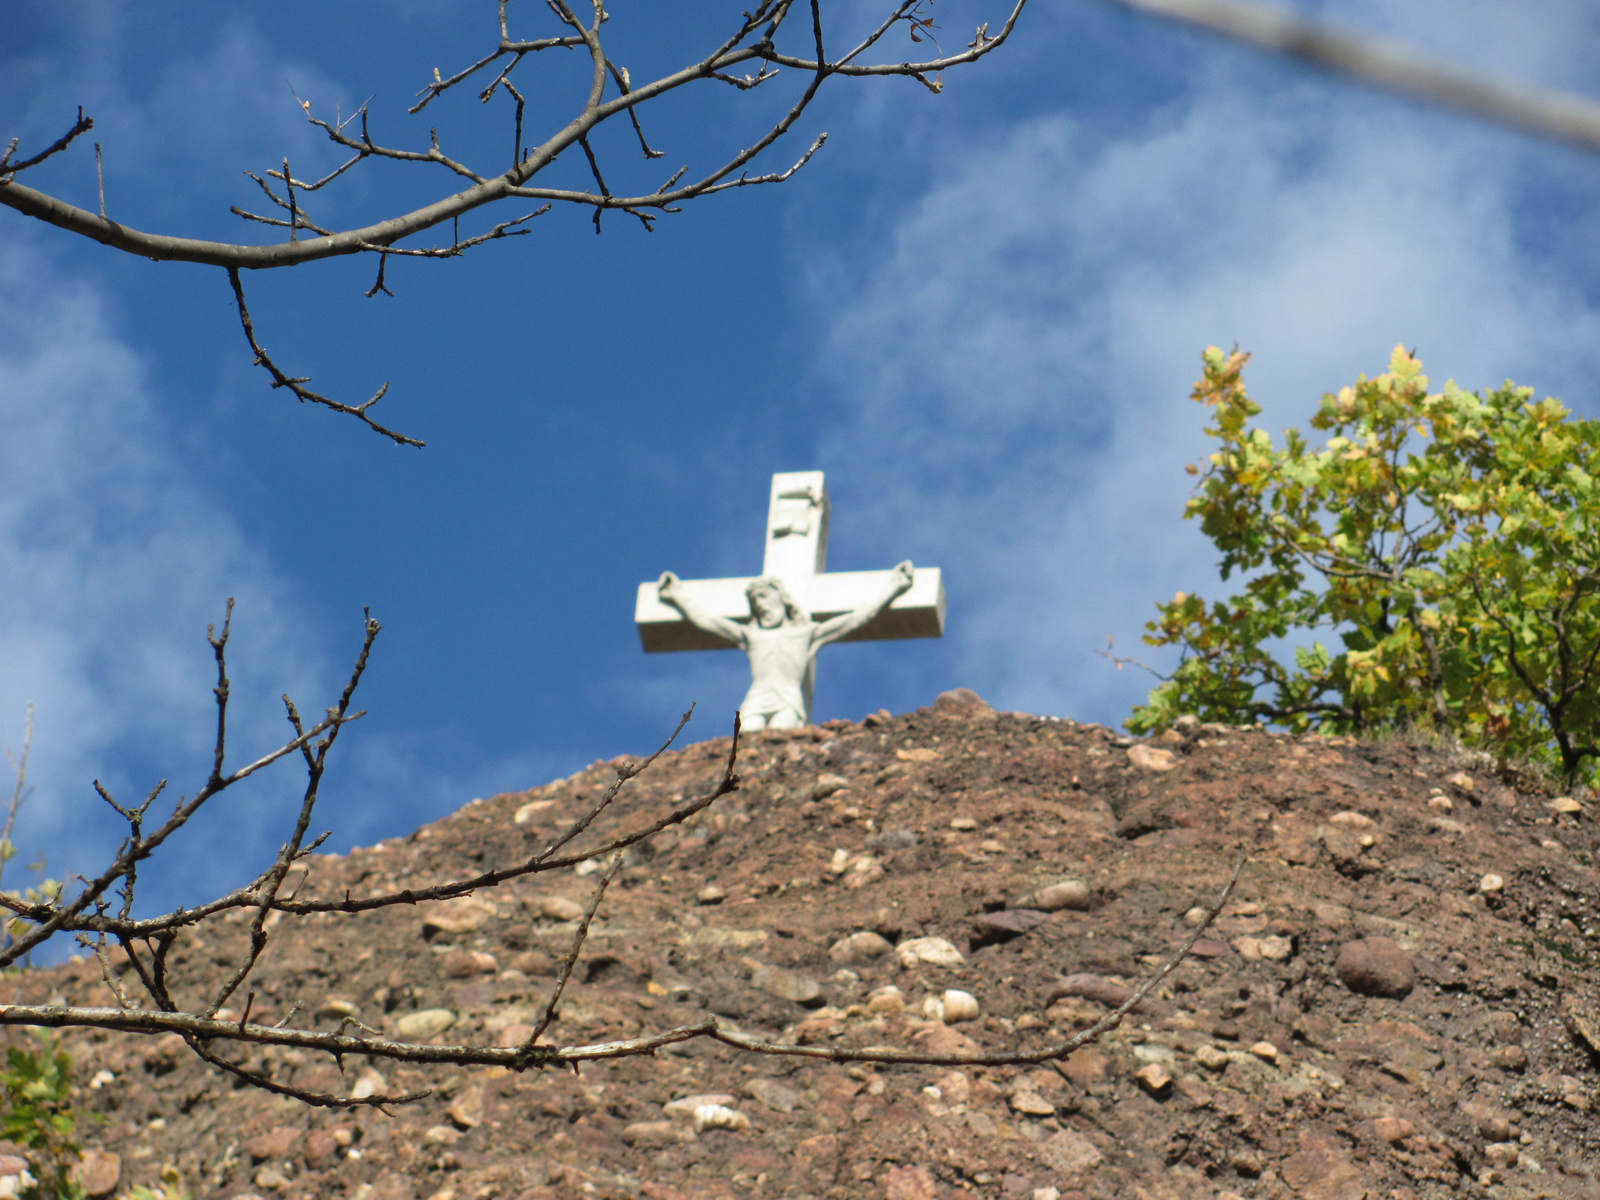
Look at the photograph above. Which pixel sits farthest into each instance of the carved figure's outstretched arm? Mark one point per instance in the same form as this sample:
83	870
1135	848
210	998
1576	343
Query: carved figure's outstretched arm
847	623
671	591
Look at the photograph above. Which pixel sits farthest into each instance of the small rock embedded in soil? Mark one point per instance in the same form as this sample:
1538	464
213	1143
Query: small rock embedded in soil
1070	1153
863	946
560	908
787	985
827	784
1030	1104
1154	1078
1152	758
1053	897
936	950
656	1134
1393	1129
719	1116
98	1172
1376	966
425	1024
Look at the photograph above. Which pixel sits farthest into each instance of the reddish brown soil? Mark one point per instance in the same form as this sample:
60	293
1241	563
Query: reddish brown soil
1262	1076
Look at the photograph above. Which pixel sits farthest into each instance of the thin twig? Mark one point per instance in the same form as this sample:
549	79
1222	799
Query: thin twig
296	385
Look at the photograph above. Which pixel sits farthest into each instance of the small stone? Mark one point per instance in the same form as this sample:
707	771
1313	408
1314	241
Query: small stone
463	914
991	929
1265	1051
269	1180
1030	1104
1070	1153
710	894
1248	947
1565	805
1462	780
719	1116
464	964
840	862
778	1097
887	1001
1045	1193
1509	1058
954	1007
98	1172
530	811
1151	758
1393	1129
1212	1058
1493	1123
787	985
961	702
919	754
339	1007
1441	803
935	950
939	1038
560	908
1195	917
1277	949
990	846
827	784
1064	893
368	1083
321	1149
863	946
683	1107
654	1134
963	824
1154	1078
864	870
909	1183
442	1135
425	1024
1502	1156
1350	819
1491	883
466	1110
275	1143
1376	966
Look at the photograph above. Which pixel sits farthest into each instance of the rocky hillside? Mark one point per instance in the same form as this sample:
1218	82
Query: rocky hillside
1400	1001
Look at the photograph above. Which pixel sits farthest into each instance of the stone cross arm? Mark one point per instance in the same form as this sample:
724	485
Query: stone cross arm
918	613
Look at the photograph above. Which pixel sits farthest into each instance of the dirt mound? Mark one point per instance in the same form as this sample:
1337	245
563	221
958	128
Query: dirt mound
1399	1001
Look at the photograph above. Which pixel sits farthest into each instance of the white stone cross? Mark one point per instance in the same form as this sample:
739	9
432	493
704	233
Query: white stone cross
796	554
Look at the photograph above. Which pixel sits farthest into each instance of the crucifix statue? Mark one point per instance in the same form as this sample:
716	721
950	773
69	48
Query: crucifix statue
784	616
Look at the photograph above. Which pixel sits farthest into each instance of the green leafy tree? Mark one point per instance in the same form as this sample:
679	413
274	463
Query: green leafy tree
1447	540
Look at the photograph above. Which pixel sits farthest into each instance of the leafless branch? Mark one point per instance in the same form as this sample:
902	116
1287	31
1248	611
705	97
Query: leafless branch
297	385
9	169
1562	117
198	1030
747	56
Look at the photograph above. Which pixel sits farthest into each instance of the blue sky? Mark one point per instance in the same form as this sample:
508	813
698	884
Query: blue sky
979	312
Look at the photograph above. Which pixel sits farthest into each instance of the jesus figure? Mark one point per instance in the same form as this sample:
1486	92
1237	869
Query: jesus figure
782	641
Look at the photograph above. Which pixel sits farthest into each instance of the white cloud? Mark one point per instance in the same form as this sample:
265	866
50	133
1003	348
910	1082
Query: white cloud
114	564
1015	365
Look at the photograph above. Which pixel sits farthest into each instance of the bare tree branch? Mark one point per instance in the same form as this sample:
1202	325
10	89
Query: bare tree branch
1560	116
609	93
